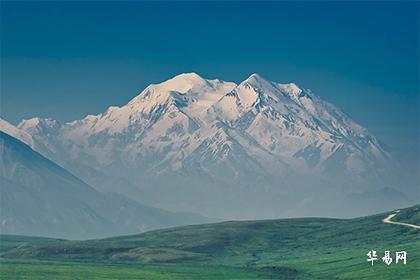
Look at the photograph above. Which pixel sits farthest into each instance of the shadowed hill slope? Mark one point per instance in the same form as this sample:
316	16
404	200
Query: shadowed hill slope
38	197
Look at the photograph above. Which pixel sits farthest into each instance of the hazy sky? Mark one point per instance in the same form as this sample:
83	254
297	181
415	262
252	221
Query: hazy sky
67	59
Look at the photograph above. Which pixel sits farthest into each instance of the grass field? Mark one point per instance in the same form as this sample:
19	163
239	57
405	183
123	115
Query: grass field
307	248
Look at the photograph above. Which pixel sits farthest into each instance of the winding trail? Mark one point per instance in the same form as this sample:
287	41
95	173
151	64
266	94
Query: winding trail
388	221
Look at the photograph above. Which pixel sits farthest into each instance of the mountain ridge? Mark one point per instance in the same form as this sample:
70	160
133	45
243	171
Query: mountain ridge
225	136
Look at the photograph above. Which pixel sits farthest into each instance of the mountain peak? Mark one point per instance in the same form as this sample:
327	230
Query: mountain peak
188	76
30	122
38	123
181	83
202	92
256	80
192	78
255	77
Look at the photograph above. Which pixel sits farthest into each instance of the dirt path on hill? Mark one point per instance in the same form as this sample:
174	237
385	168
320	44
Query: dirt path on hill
388	221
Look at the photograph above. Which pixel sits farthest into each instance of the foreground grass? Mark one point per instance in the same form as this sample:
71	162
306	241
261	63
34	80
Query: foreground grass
44	270
352	264
338	265
309	248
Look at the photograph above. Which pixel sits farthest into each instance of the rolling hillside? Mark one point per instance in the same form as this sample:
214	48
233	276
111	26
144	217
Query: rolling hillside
306	248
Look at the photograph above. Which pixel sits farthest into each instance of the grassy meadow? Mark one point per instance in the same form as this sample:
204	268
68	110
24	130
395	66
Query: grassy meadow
304	248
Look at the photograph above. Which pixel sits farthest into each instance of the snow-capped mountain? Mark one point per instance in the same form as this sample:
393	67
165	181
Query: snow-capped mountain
220	149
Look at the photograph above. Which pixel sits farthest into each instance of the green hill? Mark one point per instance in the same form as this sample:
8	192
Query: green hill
305	248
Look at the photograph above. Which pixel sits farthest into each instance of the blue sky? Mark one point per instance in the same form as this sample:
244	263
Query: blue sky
68	59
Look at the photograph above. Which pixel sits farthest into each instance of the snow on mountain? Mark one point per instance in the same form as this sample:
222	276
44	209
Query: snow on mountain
16	132
257	136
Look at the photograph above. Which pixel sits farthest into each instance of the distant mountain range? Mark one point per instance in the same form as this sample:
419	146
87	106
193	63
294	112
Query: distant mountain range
257	149
38	197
